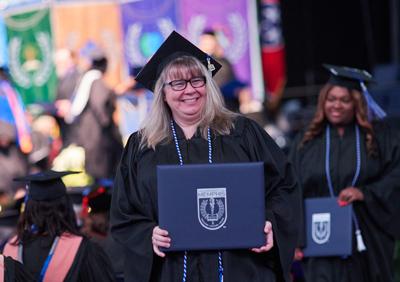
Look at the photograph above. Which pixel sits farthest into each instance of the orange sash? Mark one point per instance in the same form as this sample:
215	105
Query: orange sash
60	263
2	268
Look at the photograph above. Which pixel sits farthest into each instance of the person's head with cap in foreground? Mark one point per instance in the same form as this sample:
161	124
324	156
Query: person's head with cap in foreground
343	100
180	75
48	208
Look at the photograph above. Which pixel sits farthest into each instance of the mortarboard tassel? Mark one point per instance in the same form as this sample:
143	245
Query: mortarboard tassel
26	192
373	107
360	242
210	67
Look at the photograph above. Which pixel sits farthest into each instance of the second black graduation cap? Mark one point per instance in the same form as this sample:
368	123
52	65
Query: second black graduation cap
357	79
348	77
46	185
174	46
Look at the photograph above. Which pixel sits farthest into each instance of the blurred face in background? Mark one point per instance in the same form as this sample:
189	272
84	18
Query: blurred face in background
339	106
63	61
209	44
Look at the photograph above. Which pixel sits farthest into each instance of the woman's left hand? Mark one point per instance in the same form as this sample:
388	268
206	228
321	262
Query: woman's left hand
349	195
270	239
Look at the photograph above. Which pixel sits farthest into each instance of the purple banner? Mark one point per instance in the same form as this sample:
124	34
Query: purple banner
146	24
230	17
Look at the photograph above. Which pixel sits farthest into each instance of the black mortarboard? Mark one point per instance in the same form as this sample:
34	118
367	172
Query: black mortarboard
348	77
46	185
357	79
173	47
99	197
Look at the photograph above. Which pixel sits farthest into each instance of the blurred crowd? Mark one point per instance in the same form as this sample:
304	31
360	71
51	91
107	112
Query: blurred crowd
86	127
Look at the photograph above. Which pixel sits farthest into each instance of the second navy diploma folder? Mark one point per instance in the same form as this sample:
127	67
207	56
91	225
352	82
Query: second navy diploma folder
212	206
329	228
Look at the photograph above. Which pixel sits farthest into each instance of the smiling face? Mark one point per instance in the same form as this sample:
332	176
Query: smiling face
339	106
186	105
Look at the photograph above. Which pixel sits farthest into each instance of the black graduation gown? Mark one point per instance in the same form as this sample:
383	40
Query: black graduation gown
90	264
14	271
13	163
134	211
377	215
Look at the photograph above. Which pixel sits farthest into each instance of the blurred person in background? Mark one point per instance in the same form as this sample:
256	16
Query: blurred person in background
91	118
233	90
69	75
349	152
96	224
15	137
134	102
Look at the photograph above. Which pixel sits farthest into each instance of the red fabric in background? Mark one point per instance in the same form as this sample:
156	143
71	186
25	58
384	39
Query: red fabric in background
273	50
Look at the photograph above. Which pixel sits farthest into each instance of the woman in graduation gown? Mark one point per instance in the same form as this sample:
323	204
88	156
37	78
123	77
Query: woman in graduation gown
370	184
48	242
186	102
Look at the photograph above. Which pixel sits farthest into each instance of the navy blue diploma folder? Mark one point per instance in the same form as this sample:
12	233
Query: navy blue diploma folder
329	228
212	206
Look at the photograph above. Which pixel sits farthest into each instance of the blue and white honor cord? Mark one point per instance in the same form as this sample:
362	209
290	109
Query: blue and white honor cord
181	163
360	243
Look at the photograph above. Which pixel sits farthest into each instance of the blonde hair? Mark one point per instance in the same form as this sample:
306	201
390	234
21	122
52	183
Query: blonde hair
156	128
361	114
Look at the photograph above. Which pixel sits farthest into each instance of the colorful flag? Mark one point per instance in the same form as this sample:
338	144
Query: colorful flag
3	44
80	25
17	4
30	49
273	51
228	17
13	111
233	22
146	24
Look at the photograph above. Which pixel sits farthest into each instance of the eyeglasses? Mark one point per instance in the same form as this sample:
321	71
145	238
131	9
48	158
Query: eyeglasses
180	84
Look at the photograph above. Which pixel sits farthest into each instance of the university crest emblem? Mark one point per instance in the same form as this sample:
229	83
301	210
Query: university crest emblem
321	227
211	207
32	70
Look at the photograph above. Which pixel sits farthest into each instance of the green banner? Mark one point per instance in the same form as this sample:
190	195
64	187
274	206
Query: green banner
30	48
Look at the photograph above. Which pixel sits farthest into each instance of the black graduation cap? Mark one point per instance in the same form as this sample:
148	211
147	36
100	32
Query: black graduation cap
348	77
173	47
99	197
357	79
46	185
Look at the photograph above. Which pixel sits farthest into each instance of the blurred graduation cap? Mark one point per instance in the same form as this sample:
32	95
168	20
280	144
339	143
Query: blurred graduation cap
99	197
10	214
357	79
173	47
134	71
46	185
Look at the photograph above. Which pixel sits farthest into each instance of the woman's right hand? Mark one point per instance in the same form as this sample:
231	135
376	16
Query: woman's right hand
160	239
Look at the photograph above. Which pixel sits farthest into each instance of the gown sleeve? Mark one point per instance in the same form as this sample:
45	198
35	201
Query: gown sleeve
14	271
282	193
91	263
294	159
382	194
132	223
